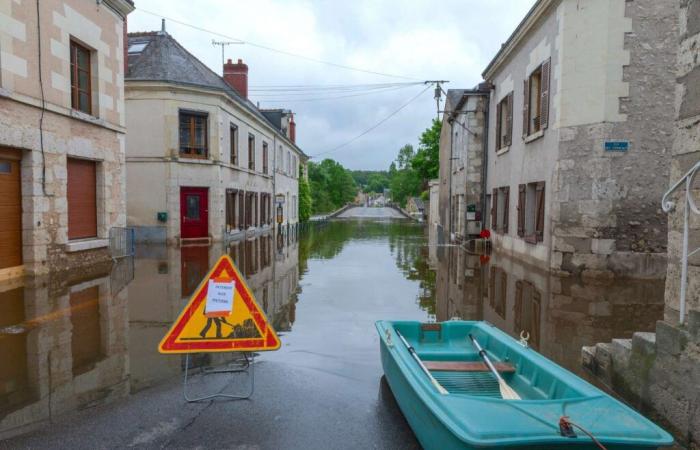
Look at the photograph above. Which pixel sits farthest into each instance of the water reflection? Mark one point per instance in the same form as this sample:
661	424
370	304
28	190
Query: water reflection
74	340
63	346
560	315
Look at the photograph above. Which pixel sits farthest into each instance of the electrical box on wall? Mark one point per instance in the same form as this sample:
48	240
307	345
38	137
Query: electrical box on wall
162	216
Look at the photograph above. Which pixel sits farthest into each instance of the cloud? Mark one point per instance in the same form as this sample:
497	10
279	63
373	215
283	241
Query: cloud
412	38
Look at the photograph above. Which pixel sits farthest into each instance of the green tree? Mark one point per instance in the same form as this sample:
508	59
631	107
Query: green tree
427	159
305	200
332	186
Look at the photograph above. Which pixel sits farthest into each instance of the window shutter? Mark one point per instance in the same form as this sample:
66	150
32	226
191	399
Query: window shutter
526	107
521	210
509	119
494	210
506	191
544	99
492	286
518	304
499	112
539	227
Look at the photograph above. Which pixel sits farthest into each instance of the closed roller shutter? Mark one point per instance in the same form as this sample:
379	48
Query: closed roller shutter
10	210
82	199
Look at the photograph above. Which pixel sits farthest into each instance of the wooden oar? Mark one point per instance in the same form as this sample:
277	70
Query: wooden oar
506	391
412	351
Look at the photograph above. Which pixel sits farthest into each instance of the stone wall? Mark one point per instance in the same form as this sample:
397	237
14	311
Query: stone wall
65	132
659	373
608	216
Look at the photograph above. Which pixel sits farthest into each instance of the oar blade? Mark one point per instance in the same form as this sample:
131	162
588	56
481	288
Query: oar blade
507	392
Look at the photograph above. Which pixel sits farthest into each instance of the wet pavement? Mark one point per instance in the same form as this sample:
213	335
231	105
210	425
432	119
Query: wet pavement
84	369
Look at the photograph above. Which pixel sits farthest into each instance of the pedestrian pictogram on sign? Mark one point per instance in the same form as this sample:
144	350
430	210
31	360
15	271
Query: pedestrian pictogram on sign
221	316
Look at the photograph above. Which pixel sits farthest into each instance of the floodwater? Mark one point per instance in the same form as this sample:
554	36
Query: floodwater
88	341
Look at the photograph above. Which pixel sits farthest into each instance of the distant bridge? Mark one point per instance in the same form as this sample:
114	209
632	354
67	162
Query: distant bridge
362	212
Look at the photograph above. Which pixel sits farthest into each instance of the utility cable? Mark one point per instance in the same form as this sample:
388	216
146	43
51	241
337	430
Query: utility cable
313	99
373	127
275	50
43	103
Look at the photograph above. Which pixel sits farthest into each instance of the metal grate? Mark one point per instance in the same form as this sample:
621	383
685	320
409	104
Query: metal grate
121	242
482	384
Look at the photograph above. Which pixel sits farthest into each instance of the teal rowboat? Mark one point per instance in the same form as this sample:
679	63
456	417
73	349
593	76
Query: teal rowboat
473	415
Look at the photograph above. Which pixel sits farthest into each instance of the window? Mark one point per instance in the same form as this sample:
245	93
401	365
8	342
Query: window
82	199
498	286
233	132
499	209
193	134
294	206
280	161
232	220
136	48
80	78
531	212
265	158
251	152
527	309
536	100
504	122
287	167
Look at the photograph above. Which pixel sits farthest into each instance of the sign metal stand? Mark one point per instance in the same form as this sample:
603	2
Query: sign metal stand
247	366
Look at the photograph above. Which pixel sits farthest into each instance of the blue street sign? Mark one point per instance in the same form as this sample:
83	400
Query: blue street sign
616	146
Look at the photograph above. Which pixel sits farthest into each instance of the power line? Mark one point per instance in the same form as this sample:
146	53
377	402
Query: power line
373	127
272	49
328	87
301	98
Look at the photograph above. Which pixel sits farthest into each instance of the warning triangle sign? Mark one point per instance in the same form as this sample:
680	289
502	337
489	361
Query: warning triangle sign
221	316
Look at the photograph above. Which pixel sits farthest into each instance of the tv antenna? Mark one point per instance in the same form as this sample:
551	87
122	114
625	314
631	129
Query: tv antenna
223	45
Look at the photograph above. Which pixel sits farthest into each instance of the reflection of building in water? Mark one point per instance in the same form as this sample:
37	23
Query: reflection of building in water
166	277
63	346
560	315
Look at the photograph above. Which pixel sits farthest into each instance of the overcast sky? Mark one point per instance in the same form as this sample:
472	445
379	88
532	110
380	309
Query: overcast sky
415	39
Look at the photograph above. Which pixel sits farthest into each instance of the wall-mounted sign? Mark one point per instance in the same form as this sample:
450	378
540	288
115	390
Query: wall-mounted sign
616	146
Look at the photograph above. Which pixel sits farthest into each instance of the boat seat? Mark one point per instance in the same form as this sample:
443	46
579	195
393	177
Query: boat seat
466	366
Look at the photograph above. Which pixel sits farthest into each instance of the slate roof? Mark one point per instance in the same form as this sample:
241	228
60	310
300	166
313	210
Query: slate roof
418	202
164	59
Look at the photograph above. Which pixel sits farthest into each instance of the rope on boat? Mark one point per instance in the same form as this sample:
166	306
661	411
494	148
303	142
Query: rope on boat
565	428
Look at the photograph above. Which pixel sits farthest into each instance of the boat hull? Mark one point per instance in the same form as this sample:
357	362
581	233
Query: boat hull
434	433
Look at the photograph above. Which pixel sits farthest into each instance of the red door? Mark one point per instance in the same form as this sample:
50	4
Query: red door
194	212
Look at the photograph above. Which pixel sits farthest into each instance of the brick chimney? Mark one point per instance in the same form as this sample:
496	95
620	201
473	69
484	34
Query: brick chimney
292	129
236	76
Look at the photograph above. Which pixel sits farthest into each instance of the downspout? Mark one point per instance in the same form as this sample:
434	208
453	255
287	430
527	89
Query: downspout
485	158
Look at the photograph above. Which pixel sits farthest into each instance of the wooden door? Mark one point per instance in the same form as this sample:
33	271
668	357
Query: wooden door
82	198
10	209
194	212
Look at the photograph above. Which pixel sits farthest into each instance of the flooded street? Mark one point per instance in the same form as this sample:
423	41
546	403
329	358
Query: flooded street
81	366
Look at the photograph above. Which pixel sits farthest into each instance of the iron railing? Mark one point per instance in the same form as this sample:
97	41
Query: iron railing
668	206
121	242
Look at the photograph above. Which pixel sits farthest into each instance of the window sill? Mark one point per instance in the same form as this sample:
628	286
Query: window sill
193	160
86	244
534	136
502	150
85	117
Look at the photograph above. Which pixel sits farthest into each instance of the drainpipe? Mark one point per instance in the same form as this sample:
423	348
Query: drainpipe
485	161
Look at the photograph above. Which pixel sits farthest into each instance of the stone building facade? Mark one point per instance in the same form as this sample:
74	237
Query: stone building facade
659	372
461	193
203	161
580	126
62	132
